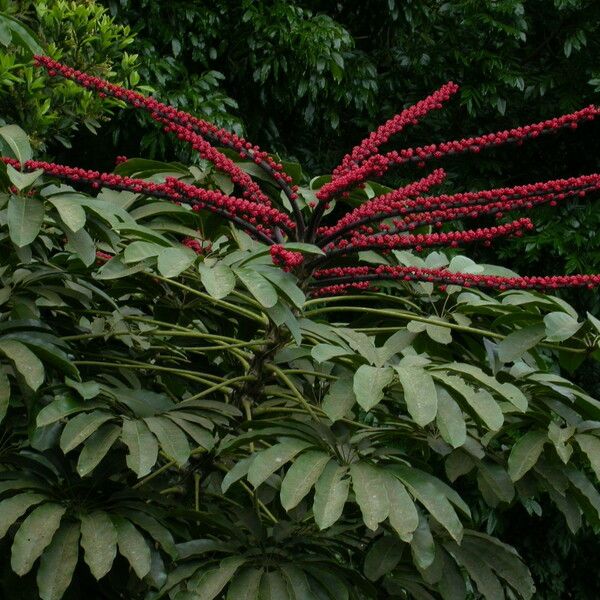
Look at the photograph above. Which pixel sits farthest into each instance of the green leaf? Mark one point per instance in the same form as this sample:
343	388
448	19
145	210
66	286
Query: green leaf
301	476
331	493
419	393
82	244
17	140
70	210
78	429
298	582
591	446
244	585
481	402
435	496
369	383
15	507
208	584
96	448
273	587
514	345
403	516
219	280
173	261
450	420
271	460
140	250
239	470
422	545
22	180
560	326
25	361
370	490
487	583
258	286
133	546
34	535
286	282
62	407
142	447
497	480
99	541
525	453
198	434
58	563
25	217
4	395
340	398
171	439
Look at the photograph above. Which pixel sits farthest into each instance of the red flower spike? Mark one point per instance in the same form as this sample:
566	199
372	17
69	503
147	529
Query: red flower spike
168	114
383	223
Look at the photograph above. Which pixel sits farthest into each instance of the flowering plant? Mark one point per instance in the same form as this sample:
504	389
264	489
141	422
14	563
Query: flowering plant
198	404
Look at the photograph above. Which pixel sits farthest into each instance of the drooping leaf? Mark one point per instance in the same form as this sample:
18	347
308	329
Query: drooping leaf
174	261
25	217
525	453
25	361
591	446
96	448
450	420
268	461
403	516
258	286
99	542
34	535
301	477
560	326
58	562
208	583
245	585
382	557
218	280
369	383
515	344
79	428
172	440
331	493
339	399
142	446
133	546
14	507
419	393
370	490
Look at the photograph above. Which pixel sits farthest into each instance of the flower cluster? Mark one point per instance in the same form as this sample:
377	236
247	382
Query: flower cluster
383	223
198	246
287	259
345	278
370	146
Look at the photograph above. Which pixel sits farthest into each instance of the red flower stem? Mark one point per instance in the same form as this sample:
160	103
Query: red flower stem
358	275
477	200
138	186
452	238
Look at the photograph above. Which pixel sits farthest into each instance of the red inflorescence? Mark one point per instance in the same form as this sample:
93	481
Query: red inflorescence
198	246
384	223
370	146
287	259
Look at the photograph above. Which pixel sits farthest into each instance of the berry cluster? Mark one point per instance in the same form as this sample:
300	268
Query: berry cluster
383	223
345	278
287	259
198	246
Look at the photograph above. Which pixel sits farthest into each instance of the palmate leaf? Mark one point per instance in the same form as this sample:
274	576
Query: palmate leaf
142	446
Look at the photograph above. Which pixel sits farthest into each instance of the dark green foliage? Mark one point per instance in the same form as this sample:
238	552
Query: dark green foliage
193	427
80	33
